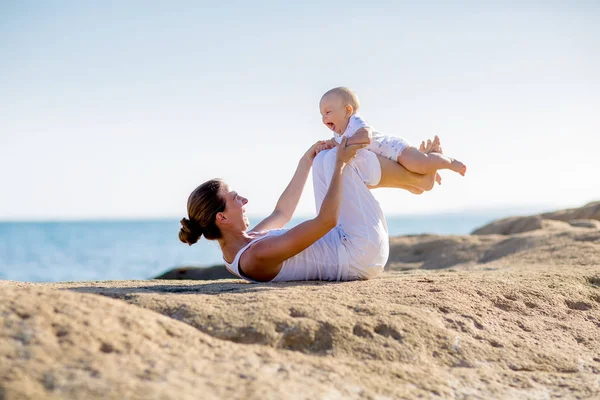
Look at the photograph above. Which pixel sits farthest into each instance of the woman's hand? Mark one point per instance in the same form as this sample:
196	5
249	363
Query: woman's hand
346	152
315	149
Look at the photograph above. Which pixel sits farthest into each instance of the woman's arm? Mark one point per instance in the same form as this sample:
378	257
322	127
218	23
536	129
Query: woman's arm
262	261
288	201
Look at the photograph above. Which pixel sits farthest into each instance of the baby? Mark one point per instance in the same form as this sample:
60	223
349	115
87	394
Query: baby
339	107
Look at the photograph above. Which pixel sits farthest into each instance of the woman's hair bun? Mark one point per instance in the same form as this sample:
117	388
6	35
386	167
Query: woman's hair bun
190	231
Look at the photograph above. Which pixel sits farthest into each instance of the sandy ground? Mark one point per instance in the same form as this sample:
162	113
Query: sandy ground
512	313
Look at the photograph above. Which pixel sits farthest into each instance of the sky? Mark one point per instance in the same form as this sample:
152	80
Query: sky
120	109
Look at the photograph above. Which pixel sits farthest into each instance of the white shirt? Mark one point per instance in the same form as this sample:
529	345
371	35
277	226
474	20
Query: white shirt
354	124
386	146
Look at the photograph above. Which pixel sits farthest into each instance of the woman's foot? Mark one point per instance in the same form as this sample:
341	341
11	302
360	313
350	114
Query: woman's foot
433	147
457	166
436	147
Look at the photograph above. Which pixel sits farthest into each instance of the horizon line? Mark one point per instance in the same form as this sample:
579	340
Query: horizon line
492	210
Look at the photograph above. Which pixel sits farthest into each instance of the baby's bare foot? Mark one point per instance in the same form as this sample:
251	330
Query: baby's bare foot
457	166
438	178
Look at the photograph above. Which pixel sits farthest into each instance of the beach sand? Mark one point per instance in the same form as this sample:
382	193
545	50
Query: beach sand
511	312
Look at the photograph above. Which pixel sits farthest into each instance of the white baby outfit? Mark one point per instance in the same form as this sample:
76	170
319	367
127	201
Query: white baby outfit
389	147
358	247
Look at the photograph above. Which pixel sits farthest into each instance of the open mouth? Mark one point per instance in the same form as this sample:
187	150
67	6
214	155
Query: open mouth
331	126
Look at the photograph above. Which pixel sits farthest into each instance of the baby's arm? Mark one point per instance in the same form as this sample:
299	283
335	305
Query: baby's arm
361	136
358	131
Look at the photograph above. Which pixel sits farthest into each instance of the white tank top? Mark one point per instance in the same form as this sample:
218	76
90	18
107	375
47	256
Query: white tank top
325	260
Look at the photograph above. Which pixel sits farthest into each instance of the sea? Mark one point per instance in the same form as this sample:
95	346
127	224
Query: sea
141	249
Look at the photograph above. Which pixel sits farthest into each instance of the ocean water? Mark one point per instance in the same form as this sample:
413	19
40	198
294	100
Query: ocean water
107	250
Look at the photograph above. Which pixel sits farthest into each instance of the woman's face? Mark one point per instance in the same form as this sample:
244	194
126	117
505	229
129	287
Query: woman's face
235	210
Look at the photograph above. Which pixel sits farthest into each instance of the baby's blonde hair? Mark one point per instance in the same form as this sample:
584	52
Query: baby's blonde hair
346	95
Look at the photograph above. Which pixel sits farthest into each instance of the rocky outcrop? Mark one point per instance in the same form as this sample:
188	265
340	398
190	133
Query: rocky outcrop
575	217
197	273
589	211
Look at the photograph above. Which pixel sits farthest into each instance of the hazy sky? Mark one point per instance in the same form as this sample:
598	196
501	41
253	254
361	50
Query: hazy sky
120	109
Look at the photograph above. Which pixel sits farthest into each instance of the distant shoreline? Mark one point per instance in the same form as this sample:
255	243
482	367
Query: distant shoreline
510	210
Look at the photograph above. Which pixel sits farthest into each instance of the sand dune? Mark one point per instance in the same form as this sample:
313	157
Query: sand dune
498	315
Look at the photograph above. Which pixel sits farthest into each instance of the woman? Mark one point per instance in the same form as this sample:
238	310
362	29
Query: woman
347	240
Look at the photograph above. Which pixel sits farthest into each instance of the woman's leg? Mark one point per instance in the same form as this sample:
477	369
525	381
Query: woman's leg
394	175
366	170
361	219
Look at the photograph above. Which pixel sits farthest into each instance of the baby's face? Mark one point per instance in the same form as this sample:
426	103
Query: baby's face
335	114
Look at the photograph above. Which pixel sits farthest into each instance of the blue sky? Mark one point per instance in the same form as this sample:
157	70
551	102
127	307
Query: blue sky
114	110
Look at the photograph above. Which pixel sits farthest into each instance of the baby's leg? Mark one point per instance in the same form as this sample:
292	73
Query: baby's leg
423	163
392	148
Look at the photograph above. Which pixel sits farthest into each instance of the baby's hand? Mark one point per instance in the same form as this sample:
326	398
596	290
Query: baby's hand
332	142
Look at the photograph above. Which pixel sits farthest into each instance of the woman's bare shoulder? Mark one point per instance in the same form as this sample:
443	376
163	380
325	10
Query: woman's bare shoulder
252	262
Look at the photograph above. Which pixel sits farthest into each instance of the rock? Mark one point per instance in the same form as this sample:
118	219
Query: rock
512	225
417	334
552	220
557	242
585	223
61	344
197	273
589	211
